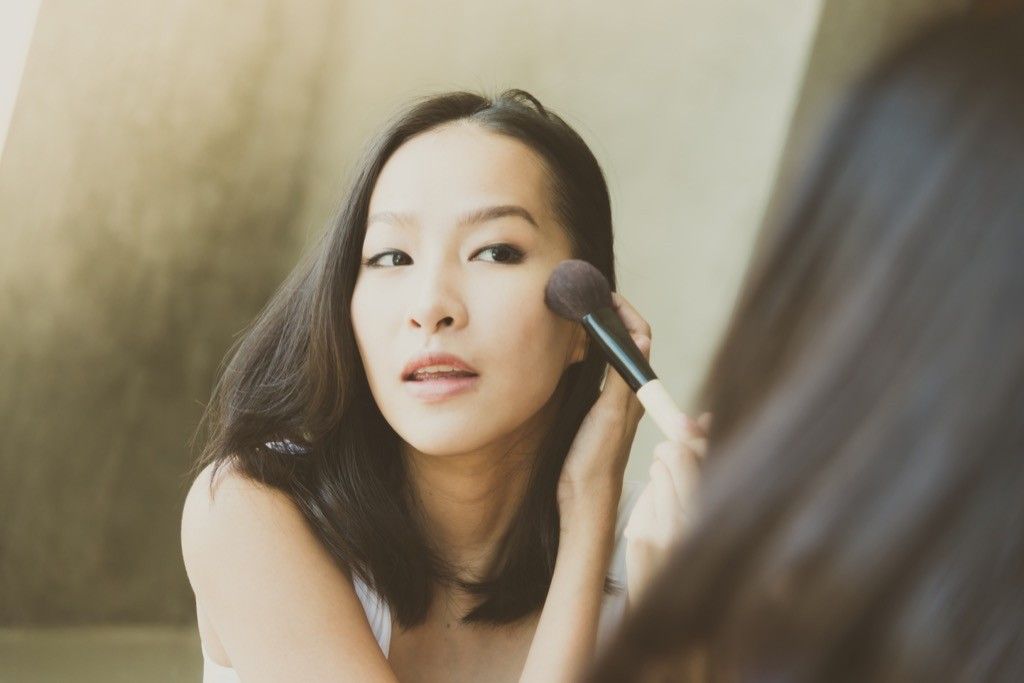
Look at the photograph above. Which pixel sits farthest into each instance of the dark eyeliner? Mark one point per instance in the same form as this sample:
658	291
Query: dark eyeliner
517	257
372	261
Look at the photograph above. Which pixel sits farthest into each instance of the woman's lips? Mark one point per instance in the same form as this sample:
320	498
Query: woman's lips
436	389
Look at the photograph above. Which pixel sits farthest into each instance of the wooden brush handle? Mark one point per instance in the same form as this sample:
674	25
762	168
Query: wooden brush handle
663	410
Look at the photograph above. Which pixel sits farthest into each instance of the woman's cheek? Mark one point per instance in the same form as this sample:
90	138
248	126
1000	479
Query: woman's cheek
544	339
369	327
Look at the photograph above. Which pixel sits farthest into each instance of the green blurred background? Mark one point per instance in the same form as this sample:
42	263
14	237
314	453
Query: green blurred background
163	165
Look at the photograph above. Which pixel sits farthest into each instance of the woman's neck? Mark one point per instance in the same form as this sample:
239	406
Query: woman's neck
469	500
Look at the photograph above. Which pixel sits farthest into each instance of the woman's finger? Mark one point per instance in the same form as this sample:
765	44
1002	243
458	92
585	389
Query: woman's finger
616	395
617	398
633	321
666	504
643	343
680	462
642	520
693	435
699	447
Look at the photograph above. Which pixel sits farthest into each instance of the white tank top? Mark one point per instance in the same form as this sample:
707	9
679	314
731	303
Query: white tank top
613	606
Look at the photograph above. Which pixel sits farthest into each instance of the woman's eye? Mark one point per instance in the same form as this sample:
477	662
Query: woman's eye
496	253
387	259
502	253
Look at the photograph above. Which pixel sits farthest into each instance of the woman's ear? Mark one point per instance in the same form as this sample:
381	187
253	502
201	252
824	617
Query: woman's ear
580	344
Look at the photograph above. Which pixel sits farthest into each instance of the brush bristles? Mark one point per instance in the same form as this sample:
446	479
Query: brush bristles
577	288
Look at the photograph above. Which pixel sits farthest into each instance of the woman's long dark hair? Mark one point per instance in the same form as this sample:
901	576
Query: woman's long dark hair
863	509
293	409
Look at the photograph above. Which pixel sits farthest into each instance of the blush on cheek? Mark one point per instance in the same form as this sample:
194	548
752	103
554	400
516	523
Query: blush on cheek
543	351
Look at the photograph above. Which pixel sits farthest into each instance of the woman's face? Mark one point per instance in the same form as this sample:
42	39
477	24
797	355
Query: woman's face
460	241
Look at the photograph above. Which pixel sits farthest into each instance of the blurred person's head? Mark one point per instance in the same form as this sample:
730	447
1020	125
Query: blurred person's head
862	514
458	212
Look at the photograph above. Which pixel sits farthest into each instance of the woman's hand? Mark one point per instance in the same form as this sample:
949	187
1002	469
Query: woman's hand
665	508
593	469
588	500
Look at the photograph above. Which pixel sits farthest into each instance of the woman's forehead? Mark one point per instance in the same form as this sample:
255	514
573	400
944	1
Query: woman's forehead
461	164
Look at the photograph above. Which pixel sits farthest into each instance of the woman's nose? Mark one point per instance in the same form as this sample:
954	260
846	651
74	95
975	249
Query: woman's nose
436	306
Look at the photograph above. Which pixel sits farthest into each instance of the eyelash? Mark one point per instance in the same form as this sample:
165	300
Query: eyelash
517	256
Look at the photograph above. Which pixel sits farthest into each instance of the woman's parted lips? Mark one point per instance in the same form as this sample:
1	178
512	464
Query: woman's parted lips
435	358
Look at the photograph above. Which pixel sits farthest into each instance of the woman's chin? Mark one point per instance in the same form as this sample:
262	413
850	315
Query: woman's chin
445	437
439	446
458	428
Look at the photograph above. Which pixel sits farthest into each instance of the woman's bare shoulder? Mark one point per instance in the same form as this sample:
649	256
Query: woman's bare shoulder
229	519
223	503
254	563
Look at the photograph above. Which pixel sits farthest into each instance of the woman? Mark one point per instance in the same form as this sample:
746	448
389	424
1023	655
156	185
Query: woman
413	471
862	512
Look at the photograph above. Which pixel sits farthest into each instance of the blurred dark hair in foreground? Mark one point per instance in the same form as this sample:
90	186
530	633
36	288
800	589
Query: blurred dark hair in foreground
863	510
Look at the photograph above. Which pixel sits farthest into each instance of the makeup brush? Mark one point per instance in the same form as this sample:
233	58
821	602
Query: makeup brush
579	292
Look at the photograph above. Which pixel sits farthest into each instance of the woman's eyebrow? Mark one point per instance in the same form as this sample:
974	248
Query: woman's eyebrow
491	212
473	217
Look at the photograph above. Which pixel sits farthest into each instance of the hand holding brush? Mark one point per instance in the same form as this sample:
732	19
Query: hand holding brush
579	292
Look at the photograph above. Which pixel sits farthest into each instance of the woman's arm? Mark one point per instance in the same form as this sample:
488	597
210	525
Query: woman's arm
282	608
563	644
588	499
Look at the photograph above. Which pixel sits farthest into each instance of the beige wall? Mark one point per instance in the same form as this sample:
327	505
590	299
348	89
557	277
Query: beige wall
167	161
153	168
685	104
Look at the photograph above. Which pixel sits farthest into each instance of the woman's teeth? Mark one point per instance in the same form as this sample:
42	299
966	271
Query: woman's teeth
439	371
